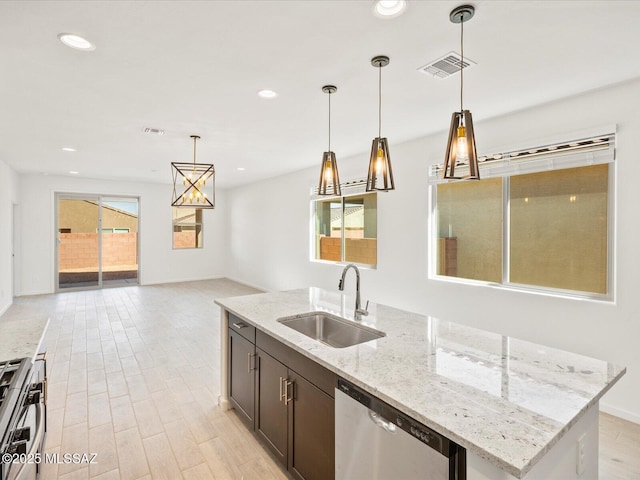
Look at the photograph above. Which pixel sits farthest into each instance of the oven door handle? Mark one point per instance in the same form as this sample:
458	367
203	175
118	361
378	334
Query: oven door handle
37	439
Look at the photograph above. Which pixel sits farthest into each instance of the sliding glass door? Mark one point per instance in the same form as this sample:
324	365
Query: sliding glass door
97	241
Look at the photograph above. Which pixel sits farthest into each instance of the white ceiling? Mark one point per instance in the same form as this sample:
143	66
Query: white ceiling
194	67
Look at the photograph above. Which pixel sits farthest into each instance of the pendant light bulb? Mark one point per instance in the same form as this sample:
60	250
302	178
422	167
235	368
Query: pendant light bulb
380	175
461	146
380	162
329	183
462	154
328	172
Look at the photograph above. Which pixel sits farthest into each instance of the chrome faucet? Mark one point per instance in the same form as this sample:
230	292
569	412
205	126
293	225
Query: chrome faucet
358	311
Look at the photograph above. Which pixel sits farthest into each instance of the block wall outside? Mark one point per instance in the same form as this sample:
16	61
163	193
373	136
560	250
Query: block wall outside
185	239
361	250
358	250
330	248
80	250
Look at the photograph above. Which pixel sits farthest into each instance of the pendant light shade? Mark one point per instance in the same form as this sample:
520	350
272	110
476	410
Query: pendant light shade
380	175
193	183
329	183
461	145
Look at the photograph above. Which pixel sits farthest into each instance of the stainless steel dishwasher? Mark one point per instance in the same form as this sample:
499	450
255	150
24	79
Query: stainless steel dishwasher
375	441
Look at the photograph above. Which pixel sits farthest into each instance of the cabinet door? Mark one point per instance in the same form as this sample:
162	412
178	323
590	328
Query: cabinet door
241	377
311	431
271	413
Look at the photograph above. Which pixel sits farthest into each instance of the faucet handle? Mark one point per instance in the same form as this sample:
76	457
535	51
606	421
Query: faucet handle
363	311
340	284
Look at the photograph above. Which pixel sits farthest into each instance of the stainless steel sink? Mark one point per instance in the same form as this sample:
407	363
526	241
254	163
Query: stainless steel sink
330	329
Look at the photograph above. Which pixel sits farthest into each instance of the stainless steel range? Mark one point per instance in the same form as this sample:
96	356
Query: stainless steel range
22	418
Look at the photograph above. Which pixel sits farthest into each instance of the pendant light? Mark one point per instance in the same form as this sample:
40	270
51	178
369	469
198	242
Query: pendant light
380	176
461	146
194	181
329	183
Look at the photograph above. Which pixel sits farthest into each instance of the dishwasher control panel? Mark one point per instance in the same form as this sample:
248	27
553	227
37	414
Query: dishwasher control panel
414	428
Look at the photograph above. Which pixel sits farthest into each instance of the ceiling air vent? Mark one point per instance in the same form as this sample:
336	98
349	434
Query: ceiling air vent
153	131
446	65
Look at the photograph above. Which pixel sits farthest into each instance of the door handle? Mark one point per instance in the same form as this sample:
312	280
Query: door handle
381	422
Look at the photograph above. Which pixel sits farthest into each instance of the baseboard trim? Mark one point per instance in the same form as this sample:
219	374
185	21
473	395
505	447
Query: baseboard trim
181	280
620	412
4	309
154	282
252	285
34	293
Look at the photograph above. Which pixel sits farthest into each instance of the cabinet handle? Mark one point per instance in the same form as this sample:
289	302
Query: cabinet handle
281	394
288	384
239	325
249	355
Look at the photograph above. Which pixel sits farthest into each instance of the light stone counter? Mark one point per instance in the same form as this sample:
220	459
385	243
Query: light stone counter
505	400
21	338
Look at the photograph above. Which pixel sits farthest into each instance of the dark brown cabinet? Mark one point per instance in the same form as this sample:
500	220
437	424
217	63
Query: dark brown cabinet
271	412
242	361
311	456
290	406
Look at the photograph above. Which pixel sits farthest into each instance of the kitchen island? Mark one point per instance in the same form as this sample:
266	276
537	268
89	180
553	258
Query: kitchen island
519	409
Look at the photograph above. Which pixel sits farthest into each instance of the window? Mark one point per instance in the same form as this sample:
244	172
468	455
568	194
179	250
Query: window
547	229
187	227
346	229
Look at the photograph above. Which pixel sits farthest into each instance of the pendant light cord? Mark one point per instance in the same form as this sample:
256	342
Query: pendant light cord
379	100
461	57
329	121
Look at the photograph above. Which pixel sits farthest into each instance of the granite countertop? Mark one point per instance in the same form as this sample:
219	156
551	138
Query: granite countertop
20	338
506	400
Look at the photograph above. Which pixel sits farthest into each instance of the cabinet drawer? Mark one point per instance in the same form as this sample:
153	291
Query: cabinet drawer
318	375
243	328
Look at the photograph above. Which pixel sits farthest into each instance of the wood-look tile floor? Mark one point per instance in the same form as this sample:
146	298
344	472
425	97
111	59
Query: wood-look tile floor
134	377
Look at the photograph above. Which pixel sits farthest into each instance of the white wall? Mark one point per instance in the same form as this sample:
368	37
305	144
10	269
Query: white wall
159	263
268	225
8	189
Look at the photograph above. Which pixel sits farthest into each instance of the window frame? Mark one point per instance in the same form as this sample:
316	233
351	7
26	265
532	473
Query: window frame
506	284
174	223
353	189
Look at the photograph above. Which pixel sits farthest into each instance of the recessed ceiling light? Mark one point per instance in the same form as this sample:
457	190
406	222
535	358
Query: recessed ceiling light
268	94
73	172
241	169
68	149
389	8
76	41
